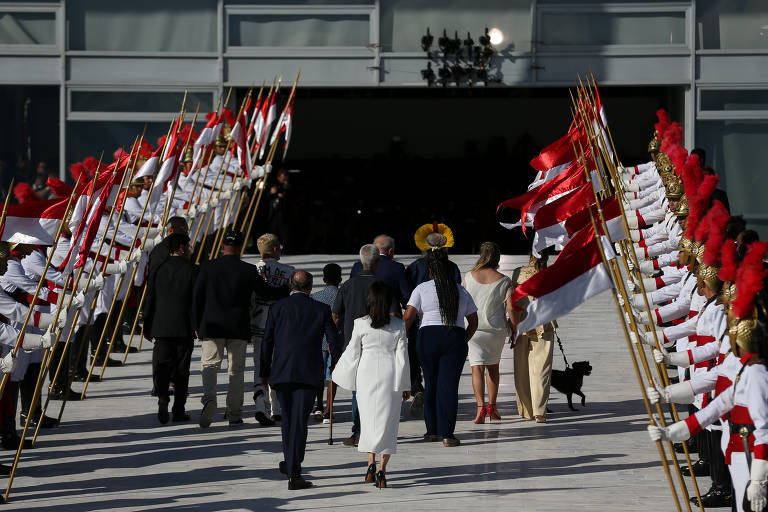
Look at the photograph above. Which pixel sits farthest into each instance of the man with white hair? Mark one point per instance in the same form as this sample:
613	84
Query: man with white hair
389	270
350	305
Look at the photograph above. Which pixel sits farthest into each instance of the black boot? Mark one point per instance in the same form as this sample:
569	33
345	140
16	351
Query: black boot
714	498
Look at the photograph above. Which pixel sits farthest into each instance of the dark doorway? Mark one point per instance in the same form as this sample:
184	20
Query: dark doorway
29	131
369	161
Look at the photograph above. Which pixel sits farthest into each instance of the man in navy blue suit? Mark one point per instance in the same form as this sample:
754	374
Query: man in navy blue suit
290	364
389	270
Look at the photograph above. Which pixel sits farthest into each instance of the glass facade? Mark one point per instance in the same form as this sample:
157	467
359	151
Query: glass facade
22	28
610	29
731	25
298	30
110	101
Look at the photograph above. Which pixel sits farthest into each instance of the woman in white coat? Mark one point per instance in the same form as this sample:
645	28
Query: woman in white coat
375	364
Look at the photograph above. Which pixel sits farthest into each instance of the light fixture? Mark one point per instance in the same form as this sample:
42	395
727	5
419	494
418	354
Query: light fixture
496	36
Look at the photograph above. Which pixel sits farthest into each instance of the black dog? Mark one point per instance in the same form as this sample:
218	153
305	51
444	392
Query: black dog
569	381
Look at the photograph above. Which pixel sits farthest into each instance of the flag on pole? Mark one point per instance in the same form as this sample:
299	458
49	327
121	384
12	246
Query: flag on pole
33	223
167	170
239	139
271	114
576	275
284	126
93	221
550	220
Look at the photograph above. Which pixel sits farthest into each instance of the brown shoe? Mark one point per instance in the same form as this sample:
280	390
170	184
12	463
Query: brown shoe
541	418
351	441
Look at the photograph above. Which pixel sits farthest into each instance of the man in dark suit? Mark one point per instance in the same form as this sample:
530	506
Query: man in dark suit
293	338
168	319
222	301
161	251
389	270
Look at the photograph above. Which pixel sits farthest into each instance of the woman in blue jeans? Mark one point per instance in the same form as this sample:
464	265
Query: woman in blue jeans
441	343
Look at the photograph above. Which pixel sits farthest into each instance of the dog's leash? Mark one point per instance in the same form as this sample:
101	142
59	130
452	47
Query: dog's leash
560	344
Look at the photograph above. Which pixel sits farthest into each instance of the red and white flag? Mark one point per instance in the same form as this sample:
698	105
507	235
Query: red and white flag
284	126
576	275
33	223
207	137
239	139
270	114
550	220
167	171
611	213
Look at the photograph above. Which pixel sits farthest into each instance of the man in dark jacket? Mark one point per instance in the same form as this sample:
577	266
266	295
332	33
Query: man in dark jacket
293	338
161	251
168	319
390	271
222	302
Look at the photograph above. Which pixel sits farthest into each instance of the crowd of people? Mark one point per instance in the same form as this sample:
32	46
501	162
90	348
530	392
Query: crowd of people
389	333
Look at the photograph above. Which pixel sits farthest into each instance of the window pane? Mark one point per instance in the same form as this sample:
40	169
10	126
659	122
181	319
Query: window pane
403	22
298	30
104	101
725	24
91	138
735	100
27	28
142	25
605	29
738	152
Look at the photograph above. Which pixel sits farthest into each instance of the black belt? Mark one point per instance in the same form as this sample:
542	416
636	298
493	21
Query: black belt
738	428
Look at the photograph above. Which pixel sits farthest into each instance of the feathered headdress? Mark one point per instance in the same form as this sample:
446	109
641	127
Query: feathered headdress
422	236
749	280
703	195
24	193
58	187
718	218
91	165
672	136
677	155
662	125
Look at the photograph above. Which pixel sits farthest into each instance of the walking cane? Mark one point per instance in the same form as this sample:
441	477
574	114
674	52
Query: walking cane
330	411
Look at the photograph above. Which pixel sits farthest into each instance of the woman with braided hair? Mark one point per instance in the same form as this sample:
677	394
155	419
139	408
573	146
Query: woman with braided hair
442	305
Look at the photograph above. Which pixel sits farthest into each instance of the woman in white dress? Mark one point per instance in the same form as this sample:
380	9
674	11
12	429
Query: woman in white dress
375	364
492	292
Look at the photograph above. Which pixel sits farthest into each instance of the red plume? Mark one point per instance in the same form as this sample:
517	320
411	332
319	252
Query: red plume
702	228
229	117
161	141
146	150
749	279
728	257
78	172
677	155
185	133
24	193
672	136
663	123
718	219
90	165
209	116
701	201
118	153
58	187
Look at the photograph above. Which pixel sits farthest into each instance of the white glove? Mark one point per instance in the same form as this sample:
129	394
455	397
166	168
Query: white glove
632	286
658	356
46	340
78	300
97	283
674	358
632	187
149	244
634	338
620	299
653	395
135	256
45	321
237	185
192	212
122	267
638	303
258	172
158	238
757	480
675	433
650	284
202	208
62	320
632	221
646	267
634	235
630	265
8	363
268	168
226	195
214	202
153	232
648	338
32	342
617	246
642	319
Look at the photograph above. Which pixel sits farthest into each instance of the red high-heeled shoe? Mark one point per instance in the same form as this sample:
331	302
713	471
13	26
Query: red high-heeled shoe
493	413
481	414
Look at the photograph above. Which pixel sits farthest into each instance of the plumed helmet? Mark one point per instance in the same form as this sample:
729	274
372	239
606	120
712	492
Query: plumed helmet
708	276
674	187
683	208
654	145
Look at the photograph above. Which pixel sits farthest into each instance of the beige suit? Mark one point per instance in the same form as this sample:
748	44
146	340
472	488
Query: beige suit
533	358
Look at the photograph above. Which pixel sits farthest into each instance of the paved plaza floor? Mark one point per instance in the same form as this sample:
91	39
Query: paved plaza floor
110	453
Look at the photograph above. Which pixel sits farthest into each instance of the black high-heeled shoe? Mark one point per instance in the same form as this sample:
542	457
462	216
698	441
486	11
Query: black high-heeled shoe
381	480
370	475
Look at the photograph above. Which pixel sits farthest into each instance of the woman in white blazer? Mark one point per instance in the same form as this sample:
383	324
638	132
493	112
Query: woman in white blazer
375	364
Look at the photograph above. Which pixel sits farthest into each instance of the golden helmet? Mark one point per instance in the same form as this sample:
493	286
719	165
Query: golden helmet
684	245
654	146
728	293
187	156
708	276
682	207
662	162
224	137
699	252
674	187
743	333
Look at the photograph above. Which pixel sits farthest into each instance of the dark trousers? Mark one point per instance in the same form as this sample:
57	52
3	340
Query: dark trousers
27	388
355	415
296	403
442	352
56	357
413	361
171	358
718	470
